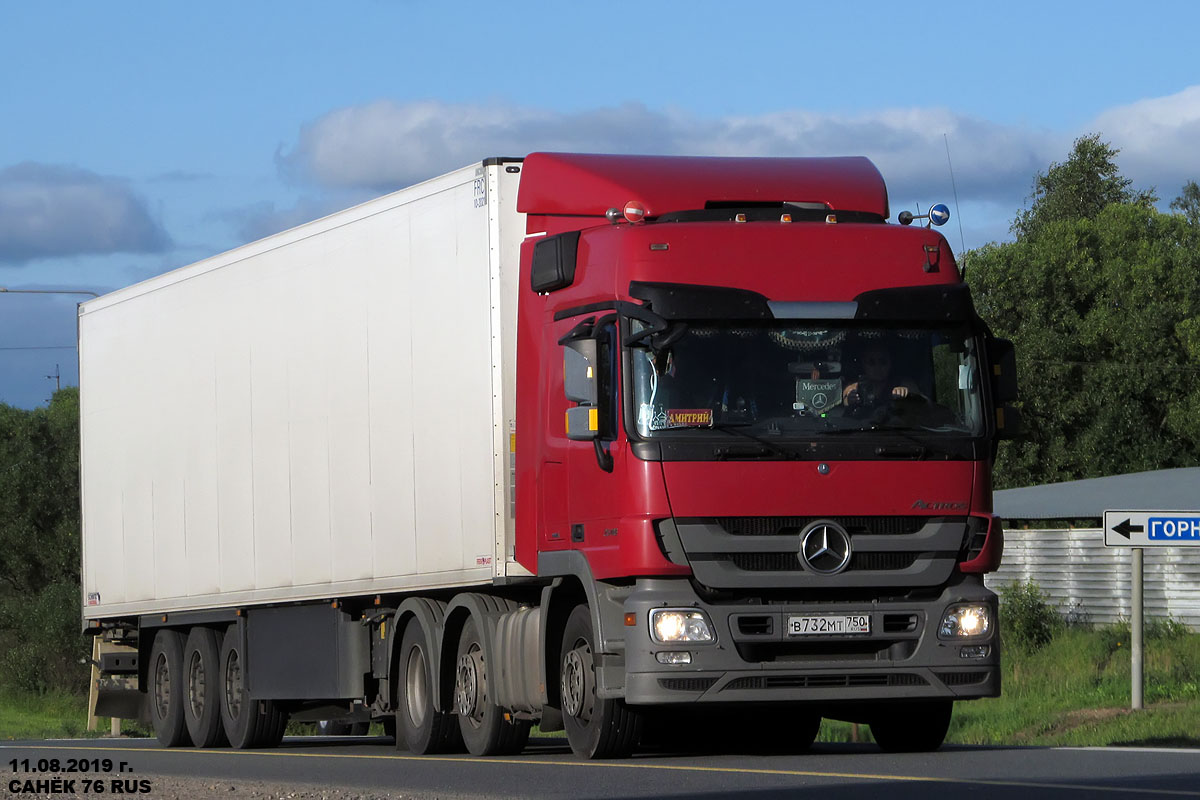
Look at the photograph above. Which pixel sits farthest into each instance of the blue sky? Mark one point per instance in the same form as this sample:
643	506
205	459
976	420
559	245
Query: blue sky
137	137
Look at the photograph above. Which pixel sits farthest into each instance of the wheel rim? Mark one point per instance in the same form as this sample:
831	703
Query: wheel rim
162	686
470	685
415	688
196	684
233	684
578	687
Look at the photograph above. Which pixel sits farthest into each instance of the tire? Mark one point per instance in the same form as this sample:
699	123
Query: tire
202	697
389	726
484	729
332	727
167	694
596	728
418	727
913	727
248	723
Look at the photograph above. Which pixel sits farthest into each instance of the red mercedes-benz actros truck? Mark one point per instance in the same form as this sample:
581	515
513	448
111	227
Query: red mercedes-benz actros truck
573	440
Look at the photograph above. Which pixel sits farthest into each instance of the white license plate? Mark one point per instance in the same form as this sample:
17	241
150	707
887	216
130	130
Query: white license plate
828	624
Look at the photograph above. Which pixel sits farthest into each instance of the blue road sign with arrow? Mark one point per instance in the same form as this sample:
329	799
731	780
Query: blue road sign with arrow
1151	528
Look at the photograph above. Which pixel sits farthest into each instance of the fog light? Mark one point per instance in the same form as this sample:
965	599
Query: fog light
974	651
963	621
679	625
674	657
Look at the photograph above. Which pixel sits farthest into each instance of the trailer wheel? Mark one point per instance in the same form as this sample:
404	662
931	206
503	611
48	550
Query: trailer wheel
248	722
596	728
202	709
167	692
485	731
418	725
913	727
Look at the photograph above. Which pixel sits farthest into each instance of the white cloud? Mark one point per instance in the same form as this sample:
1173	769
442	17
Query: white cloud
49	210
385	145
1159	139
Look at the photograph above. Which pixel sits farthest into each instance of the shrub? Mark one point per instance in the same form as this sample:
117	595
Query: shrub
1027	620
40	641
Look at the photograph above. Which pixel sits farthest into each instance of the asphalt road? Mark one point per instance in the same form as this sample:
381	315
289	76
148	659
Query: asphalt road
547	769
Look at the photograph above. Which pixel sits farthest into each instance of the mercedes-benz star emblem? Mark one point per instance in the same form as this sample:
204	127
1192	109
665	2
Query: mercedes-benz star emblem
825	547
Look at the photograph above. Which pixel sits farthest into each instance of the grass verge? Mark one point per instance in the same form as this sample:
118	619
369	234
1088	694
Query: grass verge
1076	691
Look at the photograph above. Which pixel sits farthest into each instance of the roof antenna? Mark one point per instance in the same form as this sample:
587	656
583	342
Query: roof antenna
962	242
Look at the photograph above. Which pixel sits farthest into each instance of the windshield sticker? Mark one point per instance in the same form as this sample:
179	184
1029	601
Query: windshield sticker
817	396
689	418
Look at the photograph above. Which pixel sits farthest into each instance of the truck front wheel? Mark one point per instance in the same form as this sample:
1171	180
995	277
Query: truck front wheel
596	727
167	689
913	727
418	725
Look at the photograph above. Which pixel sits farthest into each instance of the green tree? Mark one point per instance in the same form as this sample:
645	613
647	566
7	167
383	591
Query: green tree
1101	295
1188	203
40	641
1079	188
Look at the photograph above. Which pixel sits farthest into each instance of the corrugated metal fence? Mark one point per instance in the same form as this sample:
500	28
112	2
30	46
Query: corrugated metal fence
1089	582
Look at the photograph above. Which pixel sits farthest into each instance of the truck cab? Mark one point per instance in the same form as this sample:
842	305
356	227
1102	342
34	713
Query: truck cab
755	427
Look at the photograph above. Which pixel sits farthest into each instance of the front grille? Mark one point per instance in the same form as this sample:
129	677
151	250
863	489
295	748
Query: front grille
861	526
790	562
962	678
687	684
763	552
825	681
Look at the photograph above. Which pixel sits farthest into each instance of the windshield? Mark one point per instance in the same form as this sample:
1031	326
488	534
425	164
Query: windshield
808	379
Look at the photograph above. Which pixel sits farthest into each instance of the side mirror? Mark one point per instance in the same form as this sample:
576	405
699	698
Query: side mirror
581	384
1003	361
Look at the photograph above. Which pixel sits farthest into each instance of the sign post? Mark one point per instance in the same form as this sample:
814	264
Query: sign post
1138	530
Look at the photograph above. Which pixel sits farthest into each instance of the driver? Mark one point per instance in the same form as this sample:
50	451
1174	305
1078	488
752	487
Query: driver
877	383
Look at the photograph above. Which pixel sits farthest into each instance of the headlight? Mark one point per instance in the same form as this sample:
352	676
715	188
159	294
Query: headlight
669	625
964	621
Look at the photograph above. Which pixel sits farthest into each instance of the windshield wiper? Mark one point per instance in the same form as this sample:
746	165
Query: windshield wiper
765	446
917	450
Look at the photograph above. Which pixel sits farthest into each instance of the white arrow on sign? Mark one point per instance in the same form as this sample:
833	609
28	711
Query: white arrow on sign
1151	528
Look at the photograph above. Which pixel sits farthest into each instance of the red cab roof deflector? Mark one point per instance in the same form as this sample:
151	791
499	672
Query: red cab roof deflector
588	185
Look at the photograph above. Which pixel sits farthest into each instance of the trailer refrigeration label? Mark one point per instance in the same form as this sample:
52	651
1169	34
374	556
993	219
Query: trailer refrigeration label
480	191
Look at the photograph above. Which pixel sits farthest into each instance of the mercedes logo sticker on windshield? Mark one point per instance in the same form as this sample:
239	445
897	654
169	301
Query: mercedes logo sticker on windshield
825	547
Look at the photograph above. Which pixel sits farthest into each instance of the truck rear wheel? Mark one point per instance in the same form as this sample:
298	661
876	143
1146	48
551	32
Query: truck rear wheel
418	725
167	692
913	727
248	722
485	731
202	709
596	728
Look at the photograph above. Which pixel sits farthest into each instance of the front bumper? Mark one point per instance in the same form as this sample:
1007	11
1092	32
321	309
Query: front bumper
752	660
